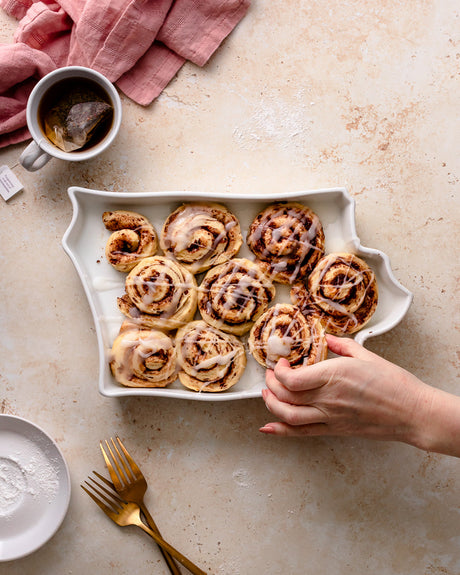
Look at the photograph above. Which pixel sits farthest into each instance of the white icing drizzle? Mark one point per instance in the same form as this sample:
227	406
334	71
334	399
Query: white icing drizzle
101	283
139	356
278	346
192	220
157	289
357	278
214	361
289	244
224	291
185	227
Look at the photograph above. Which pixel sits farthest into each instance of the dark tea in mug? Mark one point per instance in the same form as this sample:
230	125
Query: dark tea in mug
75	114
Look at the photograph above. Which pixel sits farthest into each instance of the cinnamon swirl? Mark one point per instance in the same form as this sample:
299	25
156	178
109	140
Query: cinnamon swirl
133	239
160	293
201	235
342	289
288	238
283	331
210	359
142	357
234	294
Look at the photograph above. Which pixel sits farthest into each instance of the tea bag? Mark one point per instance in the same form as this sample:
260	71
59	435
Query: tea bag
73	120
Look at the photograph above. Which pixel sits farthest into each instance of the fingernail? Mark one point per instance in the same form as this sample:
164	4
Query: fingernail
266	429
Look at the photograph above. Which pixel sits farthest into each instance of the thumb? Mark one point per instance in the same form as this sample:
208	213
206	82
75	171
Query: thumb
302	378
314	376
347	347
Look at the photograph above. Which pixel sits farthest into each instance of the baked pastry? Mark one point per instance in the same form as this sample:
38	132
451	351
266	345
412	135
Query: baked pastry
288	239
234	294
142	357
210	360
342	290
133	239
283	331
160	294
201	235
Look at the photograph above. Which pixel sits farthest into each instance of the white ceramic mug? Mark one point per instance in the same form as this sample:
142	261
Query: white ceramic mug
41	150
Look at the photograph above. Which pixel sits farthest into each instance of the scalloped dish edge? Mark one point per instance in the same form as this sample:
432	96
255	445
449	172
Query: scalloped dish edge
402	297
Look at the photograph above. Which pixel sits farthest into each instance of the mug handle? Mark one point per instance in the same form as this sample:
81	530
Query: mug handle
33	157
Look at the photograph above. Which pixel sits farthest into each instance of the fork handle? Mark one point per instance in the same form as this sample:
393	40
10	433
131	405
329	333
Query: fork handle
174	552
173	568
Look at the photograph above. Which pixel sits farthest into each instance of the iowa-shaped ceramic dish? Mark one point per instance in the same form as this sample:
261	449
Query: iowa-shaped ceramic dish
84	241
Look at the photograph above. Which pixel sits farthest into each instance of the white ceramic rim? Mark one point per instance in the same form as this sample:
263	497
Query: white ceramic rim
30	545
122	199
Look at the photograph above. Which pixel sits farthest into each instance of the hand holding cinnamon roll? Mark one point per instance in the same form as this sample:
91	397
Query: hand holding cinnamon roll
133	239
142	357
160	293
210	359
288	240
201	235
233	295
283	331
342	289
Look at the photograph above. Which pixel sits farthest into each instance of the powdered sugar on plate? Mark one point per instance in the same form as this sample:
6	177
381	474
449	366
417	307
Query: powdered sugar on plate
27	472
34	487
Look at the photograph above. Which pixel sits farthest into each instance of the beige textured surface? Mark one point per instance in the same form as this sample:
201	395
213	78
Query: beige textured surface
302	95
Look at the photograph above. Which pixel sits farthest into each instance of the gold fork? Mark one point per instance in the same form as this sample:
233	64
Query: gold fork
131	485
124	513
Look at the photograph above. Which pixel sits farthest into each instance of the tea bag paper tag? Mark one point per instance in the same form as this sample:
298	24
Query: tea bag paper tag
9	183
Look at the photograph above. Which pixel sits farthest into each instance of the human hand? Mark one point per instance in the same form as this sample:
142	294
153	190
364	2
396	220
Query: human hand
358	394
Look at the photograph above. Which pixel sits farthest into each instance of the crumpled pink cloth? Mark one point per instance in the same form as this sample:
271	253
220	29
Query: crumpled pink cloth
139	45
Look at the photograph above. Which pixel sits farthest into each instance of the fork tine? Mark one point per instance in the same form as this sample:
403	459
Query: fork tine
113	474
121	459
113	499
117	475
135	469
105	508
95	499
114	503
102	478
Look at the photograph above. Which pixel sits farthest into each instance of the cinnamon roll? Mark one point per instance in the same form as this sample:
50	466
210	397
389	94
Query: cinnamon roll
210	360
233	295
283	331
142	357
160	294
201	235
342	289
133	239
288	239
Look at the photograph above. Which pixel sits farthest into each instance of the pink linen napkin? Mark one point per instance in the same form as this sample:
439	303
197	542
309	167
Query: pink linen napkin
139	45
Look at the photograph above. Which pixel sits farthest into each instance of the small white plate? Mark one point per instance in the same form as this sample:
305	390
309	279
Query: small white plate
34	487
85	239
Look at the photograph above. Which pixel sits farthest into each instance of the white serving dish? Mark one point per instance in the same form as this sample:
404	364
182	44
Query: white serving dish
34	487
85	239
